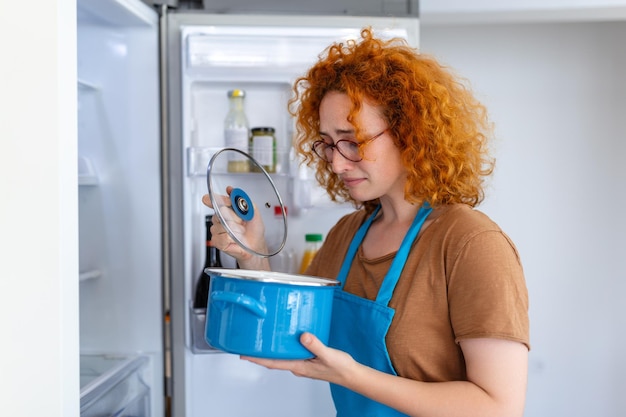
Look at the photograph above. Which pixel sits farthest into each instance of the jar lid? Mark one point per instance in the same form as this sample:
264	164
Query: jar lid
246	198
262	130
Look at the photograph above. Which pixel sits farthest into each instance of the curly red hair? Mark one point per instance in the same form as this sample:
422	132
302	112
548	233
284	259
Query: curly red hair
436	122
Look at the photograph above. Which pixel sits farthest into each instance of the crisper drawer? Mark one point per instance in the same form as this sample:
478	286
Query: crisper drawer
114	386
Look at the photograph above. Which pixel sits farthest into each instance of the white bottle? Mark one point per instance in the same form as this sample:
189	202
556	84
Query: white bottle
237	131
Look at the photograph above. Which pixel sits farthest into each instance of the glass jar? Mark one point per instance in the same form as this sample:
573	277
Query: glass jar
263	148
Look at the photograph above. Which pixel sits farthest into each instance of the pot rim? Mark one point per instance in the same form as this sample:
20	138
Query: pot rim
272	277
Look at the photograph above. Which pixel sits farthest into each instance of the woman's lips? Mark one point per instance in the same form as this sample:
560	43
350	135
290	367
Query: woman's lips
352	182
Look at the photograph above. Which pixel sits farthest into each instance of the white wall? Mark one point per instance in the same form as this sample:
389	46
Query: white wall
482	6
557	94
463	11
38	211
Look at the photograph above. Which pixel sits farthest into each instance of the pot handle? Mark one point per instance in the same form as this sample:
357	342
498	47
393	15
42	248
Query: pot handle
242	300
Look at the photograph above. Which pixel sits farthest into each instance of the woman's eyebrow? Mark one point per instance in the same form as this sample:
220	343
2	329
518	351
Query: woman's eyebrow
338	132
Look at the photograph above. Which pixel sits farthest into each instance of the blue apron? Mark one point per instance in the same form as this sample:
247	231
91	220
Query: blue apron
359	325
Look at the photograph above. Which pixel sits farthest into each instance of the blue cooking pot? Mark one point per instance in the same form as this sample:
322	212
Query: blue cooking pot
263	314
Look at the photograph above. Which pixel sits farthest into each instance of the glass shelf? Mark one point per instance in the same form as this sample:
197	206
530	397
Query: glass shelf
198	158
113	385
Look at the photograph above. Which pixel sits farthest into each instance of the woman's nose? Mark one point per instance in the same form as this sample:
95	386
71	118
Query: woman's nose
340	163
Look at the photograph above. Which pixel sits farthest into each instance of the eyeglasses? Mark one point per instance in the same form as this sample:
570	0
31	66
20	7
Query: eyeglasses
349	149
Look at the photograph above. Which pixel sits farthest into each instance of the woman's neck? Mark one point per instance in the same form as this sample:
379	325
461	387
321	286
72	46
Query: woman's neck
396	212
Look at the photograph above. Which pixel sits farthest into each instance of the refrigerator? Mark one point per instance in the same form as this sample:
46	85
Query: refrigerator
152	98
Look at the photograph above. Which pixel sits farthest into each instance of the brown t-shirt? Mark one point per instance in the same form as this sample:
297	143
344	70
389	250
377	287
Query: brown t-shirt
463	279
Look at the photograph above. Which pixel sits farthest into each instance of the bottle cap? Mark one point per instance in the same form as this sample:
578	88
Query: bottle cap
313	237
279	212
236	93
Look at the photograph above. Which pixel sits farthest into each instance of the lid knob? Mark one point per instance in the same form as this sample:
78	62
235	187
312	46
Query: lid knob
242	205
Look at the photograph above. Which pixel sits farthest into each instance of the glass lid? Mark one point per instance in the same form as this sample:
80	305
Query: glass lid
246	202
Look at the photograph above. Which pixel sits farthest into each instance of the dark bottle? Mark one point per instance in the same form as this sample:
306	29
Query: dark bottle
211	260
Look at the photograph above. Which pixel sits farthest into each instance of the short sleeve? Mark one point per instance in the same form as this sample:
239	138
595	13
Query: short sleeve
487	293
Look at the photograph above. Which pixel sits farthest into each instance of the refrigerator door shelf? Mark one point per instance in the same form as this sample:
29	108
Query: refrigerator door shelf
114	385
198	342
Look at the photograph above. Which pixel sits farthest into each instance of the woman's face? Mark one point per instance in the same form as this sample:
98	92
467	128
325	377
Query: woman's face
380	174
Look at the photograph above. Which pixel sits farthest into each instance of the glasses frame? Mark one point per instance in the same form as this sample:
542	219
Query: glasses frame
335	146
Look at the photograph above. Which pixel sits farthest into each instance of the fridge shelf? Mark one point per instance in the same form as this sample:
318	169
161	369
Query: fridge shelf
87	180
114	386
86	172
198	159
87	86
88	275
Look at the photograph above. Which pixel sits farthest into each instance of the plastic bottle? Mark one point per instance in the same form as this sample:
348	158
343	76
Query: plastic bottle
211	260
313	244
237	131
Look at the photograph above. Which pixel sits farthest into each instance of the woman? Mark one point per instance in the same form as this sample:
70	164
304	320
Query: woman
433	316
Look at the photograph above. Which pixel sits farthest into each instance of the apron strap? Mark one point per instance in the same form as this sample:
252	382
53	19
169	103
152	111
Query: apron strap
354	246
393	275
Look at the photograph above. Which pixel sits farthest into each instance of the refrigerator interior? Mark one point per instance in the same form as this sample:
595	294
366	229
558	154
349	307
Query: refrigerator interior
263	56
119	205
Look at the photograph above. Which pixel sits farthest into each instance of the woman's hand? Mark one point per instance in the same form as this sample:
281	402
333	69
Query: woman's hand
329	364
250	233
497	371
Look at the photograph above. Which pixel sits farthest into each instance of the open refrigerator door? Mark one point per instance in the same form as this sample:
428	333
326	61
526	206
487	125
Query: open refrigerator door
120	298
